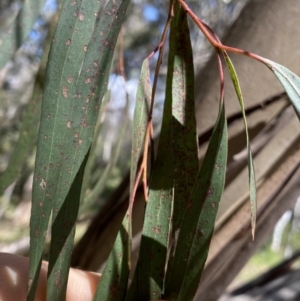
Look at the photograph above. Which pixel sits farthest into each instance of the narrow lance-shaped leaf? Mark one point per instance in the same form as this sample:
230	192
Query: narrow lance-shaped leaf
113	282
64	230
199	218
290	82
91	85
28	17
83	42
185	148
26	141
92	158
15	26
147	283
100	184
140	121
252	186
148	278
55	162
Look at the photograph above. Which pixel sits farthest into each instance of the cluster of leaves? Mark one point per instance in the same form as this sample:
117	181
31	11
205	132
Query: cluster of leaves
182	199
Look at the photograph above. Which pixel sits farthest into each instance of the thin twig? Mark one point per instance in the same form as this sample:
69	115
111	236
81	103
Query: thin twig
149	130
213	41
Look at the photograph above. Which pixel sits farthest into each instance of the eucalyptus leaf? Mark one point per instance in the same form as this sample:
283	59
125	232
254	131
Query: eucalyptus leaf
140	121
290	82
26	141
252	186
185	146
76	80
113	283
147	283
199	218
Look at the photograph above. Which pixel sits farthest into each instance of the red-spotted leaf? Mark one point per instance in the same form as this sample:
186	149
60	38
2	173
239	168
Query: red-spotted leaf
199	218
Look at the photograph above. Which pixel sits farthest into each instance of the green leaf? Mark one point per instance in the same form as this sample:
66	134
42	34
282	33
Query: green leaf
290	82
63	230
113	282
252	186
147	283
100	185
185	146
92	158
84	42
55	167
26	140
199	218
140	120
29	14
15	27
112	286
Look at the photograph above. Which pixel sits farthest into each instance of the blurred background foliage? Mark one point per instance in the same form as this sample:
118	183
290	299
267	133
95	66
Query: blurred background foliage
26	29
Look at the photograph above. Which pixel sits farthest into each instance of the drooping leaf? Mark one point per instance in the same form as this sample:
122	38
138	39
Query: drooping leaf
252	186
76	80
199	218
113	282
17	22
185	150
112	286
147	283
140	120
92	157
100	184
25	27
63	230
290	82
26	141
27	17
54	162
148	278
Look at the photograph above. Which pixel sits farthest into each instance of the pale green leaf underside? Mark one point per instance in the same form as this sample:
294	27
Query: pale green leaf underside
252	186
290	82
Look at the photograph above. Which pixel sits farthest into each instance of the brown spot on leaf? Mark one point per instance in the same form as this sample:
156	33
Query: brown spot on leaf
210	192
65	92
81	17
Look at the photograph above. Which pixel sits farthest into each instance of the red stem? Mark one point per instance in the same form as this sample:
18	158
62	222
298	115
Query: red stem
214	42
